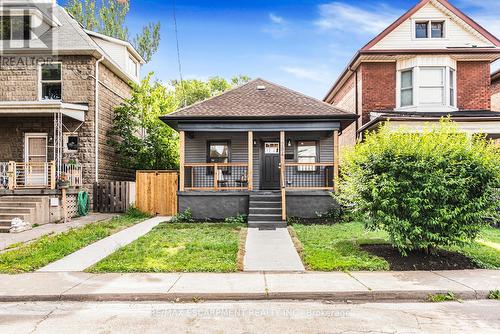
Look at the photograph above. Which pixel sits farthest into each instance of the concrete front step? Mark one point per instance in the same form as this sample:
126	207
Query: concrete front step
10	216
266	224
4	229
265	198
24	199
15	210
5	222
18	204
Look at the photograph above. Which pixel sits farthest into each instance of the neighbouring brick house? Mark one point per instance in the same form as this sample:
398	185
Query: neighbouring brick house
49	123
433	61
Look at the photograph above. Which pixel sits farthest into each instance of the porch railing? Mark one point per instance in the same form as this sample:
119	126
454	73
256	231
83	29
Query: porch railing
36	175
216	176
316	176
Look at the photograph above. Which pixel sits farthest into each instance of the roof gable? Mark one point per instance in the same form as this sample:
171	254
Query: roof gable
461	30
259	99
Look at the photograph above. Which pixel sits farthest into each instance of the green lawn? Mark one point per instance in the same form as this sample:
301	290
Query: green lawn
47	249
336	247
173	247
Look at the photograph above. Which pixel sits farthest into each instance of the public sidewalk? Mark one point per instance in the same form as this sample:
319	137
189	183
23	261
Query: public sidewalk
8	239
335	286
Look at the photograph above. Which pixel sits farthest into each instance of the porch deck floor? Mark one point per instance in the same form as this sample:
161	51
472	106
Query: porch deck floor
271	250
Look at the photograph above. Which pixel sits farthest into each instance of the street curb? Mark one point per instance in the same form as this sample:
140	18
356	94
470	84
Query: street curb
344	296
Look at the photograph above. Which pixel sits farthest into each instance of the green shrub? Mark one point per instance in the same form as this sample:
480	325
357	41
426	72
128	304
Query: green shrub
183	217
426	189
239	219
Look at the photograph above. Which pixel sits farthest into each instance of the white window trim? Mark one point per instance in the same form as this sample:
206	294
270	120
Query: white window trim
416	89
48	81
429	20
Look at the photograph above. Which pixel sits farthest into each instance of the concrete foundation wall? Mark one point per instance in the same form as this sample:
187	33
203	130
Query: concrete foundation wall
205	205
307	204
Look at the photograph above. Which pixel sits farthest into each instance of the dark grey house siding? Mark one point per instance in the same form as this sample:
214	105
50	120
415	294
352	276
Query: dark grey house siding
196	147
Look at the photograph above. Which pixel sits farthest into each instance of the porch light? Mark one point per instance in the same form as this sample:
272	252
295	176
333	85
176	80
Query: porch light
289	143
254	143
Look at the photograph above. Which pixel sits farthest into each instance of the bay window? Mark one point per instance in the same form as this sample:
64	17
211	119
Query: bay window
426	88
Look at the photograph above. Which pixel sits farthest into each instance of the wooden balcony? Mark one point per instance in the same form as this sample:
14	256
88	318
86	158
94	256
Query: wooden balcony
37	175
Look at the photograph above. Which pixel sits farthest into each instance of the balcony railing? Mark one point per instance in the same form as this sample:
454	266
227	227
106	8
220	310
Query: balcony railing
216	176
36	175
316	176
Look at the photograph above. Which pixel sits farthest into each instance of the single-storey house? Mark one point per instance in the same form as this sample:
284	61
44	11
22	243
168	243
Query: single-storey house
261	150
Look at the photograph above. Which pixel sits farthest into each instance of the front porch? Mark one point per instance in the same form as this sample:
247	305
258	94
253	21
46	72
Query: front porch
223	173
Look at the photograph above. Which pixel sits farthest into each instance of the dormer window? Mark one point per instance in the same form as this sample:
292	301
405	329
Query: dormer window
15	28
429	29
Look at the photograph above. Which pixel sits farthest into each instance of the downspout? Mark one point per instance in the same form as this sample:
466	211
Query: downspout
96	119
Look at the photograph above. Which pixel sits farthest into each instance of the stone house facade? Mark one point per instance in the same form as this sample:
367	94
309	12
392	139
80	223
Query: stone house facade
48	97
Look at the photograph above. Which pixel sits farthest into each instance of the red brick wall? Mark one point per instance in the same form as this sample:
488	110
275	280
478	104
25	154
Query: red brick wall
495	95
345	98
379	88
473	85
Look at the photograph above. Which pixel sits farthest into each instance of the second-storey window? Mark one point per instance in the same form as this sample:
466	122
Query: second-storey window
431	85
452	87
15	27
51	81
406	88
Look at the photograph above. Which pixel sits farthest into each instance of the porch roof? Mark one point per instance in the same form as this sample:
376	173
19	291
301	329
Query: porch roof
42	108
259	100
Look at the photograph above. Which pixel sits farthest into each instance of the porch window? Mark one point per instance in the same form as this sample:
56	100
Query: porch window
306	153
51	81
218	152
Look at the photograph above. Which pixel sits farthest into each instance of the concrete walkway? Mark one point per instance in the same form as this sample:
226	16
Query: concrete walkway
335	286
8	239
86	257
271	250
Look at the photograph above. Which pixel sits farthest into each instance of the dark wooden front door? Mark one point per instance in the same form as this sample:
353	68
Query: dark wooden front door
270	166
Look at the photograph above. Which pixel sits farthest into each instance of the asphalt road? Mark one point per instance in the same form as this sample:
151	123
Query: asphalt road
250	317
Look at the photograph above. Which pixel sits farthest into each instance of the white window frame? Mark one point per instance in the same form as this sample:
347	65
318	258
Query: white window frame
48	81
400	89
23	15
429	22
443	86
416	65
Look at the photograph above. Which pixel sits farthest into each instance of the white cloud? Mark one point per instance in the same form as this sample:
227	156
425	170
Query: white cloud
276	19
306	73
352	19
278	26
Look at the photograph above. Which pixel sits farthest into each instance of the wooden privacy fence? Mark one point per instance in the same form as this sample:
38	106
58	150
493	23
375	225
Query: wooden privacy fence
112	197
156	192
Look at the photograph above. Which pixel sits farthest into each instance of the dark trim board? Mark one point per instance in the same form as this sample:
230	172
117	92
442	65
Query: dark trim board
260	126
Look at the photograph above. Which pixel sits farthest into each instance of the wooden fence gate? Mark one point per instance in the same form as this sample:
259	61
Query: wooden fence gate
112	197
156	192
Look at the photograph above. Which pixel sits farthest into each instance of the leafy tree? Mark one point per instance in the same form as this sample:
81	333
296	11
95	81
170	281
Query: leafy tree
139	137
108	17
425	189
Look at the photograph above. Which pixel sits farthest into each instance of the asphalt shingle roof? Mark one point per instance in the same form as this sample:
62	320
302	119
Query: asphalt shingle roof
247	101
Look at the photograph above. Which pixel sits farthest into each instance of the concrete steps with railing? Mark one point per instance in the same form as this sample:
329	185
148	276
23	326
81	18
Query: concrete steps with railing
265	210
29	209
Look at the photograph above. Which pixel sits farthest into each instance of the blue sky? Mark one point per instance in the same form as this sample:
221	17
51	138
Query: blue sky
303	45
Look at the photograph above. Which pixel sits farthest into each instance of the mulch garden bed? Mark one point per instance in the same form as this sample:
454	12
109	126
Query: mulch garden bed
439	260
